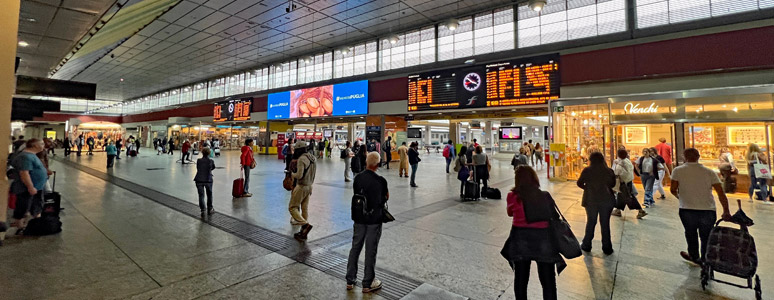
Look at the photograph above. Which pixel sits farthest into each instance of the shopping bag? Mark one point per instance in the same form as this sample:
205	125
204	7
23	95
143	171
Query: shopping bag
762	171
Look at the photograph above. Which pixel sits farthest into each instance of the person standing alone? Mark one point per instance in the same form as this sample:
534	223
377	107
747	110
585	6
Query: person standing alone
79	142
119	145
203	180
304	174
90	143
692	184
597	182
403	163
413	156
388	152
247	161
367	229
347	155
31	176
111	151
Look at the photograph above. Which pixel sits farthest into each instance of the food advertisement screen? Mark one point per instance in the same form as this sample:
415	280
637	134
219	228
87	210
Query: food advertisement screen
527	81
510	133
330	100
232	110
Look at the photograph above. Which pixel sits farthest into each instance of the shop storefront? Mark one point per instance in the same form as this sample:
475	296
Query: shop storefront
712	120
100	131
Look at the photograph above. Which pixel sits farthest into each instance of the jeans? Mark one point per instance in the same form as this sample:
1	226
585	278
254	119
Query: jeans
448	162
347	166
602	211
634	204
759	183
369	235
647	185
701	221
202	188
247	177
186	156
28	203
110	159
414	173
388	156
118	152
545	274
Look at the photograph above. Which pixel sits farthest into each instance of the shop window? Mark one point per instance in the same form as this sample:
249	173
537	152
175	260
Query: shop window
582	129
652	13
569	20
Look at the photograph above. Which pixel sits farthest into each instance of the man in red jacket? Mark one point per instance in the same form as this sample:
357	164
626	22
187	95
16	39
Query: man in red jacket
248	163
186	148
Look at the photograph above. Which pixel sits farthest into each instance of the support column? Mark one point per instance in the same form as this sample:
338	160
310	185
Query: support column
267	138
468	138
454	132
351	132
428	132
9	19
488	141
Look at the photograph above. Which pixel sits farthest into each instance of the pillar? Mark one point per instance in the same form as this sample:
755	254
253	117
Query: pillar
454	135
428	134
488	141
468	138
9	19
351	132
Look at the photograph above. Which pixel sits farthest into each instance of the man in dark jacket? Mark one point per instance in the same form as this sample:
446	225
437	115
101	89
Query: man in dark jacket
90	142
203	179
368	227
413	156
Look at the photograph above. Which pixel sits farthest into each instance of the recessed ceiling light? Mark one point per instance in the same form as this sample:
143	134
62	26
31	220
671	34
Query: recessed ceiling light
23	44
122	80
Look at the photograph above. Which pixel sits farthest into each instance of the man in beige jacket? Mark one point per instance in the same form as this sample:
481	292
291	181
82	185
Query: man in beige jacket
403	153
304	174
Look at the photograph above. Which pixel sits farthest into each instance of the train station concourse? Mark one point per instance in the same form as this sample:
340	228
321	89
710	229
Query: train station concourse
240	149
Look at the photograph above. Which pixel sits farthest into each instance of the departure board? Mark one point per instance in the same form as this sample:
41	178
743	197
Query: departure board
232	110
527	81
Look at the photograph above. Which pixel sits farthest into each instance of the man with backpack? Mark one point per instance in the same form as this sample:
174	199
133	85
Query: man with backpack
371	194
519	159
304	175
449	154
90	143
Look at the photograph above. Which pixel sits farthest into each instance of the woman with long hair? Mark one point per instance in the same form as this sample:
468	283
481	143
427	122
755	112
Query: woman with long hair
460	165
597	182
647	167
530	237
756	156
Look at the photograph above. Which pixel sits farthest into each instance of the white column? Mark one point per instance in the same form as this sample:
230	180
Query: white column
351	132
9	19
429	133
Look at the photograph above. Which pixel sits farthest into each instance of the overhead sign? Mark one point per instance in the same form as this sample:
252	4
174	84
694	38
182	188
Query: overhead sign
232	110
533	80
345	99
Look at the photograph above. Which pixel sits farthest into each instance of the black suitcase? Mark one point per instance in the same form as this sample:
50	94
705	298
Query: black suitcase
492	193
52	202
472	191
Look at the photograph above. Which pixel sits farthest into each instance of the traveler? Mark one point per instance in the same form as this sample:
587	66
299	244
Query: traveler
664	150
79	142
597	181
388	153
203	180
481	167
658	184
531	152
413	156
355	163
90	144
539	154
469	153
475	144
624	172
312	147
164	143
287	151
647	168
692	184
171	146
756	156
30	180
727	169
186	151
347	155
137	145
158	145
119	145
247	162
111	151
67	145
461	166
527	151
49	144
368	227
449	154
328	147
321	149
361	156
304	173
403	164
17	144
519	159
530	237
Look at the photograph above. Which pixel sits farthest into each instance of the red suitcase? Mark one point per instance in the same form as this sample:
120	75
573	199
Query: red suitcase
238	188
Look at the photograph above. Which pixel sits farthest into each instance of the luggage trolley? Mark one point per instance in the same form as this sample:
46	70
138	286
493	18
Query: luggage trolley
732	252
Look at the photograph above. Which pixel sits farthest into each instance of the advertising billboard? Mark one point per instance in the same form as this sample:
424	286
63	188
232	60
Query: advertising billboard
232	110
510	133
343	99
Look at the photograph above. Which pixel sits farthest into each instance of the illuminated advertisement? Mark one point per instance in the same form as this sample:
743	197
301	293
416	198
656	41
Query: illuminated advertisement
232	110
343	99
533	80
510	133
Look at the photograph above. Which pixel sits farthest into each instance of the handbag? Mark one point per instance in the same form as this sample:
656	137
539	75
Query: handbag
566	242
488	165
623	196
762	171
464	173
386	215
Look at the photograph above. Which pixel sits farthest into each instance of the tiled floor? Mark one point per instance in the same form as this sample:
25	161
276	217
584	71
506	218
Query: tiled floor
119	244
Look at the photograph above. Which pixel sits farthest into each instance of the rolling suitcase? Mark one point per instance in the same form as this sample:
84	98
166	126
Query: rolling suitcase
52	202
472	191
238	188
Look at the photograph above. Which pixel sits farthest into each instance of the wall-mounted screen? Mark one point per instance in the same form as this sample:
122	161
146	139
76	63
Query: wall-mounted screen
414	133
533	80
232	110
510	133
343	99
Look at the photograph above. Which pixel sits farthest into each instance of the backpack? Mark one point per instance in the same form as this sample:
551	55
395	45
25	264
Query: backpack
344	153
446	151
285	150
458	163
45	225
360	211
515	162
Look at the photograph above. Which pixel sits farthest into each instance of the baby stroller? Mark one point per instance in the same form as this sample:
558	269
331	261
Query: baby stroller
732	251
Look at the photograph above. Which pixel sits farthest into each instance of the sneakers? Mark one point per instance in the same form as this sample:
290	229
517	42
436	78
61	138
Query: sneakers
646	205
688	257
662	197
375	285
210	211
247	195
642	213
616	212
347	180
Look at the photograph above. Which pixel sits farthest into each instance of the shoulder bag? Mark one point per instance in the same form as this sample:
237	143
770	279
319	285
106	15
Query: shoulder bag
762	171
386	215
566	242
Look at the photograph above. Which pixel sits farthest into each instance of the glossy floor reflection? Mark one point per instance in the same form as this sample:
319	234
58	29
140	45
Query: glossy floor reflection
117	244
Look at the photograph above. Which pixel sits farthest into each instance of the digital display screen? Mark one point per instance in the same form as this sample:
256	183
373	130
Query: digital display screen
510	133
343	99
526	81
232	110
414	133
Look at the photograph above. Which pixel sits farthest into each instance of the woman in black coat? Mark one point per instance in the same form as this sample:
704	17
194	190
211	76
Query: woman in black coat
597	182
355	162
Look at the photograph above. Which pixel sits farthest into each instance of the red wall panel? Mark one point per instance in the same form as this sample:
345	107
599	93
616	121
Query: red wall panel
201	110
260	104
388	90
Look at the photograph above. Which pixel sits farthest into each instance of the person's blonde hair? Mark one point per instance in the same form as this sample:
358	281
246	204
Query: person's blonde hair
752	151
373	159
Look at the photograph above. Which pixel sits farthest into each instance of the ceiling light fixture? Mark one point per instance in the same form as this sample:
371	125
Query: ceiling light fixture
537	5
452	24
23	44
308	59
393	38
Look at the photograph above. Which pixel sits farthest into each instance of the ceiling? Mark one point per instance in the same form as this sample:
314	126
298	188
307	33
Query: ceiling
201	39
51	28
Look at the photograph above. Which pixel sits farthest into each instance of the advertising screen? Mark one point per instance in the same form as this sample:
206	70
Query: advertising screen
232	110
414	133
343	99
510	133
533	80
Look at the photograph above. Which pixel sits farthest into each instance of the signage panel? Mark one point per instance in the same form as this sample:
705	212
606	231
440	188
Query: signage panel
343	99
510	133
232	110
